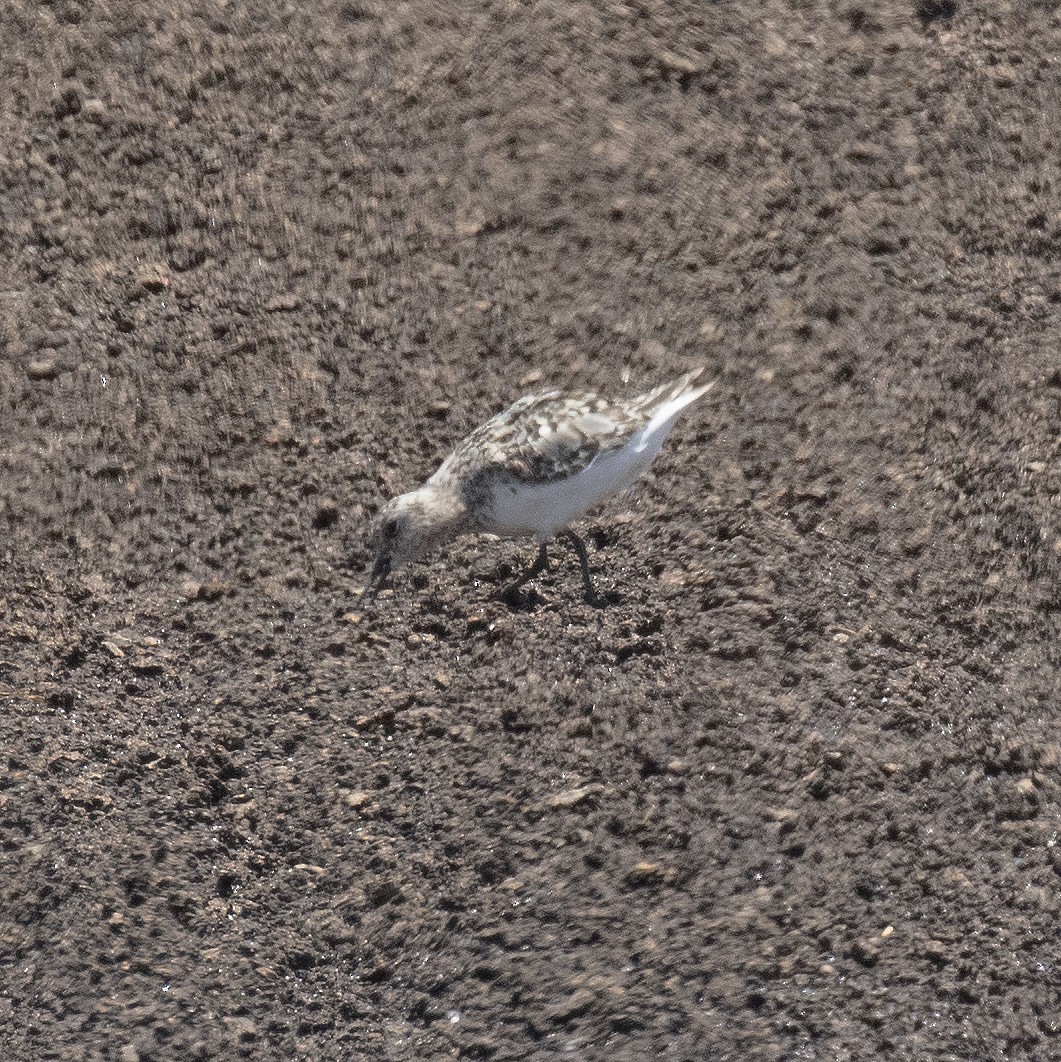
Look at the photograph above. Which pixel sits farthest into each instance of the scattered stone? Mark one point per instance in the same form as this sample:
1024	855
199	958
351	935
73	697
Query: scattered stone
643	873
425	720
570	798
1003	75
244	1028
573	1007
680	67
195	591
865	151
153	276
285	303
782	814
710	328
64	756
775	45
42	369
936	951
866	951
147	665
673	577
865	518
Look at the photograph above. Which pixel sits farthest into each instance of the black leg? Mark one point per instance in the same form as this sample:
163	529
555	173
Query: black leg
541	562
587	580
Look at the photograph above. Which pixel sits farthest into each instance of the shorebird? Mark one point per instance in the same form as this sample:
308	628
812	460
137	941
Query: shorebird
532	470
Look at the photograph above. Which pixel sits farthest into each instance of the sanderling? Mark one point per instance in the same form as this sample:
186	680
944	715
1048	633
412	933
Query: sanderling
531	470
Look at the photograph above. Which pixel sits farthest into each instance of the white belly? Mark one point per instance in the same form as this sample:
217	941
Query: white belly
542	510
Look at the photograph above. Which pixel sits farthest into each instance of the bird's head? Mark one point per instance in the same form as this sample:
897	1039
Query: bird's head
407	528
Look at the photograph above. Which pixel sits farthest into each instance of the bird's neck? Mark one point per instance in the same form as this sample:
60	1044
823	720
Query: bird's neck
447	510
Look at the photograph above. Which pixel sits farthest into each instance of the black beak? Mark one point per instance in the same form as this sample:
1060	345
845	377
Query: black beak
380	571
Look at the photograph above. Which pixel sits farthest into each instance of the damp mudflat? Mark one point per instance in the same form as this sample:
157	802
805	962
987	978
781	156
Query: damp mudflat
792	796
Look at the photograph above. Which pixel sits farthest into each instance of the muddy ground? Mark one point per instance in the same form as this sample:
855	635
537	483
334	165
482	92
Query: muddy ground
794	797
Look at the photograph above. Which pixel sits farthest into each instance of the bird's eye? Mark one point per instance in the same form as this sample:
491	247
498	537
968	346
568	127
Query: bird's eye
390	529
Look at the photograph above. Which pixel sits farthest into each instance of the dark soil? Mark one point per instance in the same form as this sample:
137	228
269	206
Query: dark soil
795	796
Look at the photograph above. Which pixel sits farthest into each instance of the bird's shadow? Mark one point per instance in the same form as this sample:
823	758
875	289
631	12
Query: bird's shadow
527	599
520	598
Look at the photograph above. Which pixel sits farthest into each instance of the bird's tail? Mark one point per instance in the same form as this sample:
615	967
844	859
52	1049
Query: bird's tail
680	392
663	404
669	392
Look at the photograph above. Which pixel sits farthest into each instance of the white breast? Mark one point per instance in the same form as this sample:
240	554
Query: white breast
544	509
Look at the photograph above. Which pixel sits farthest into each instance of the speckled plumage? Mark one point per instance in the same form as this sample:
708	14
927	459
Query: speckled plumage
542	437
533	468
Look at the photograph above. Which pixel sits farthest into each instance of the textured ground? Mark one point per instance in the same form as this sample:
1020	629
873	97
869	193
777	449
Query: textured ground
796	797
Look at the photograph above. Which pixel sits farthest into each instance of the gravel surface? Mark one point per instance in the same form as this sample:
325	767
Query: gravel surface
795	796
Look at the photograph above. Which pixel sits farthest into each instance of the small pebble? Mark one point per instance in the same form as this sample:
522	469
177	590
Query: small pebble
42	369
